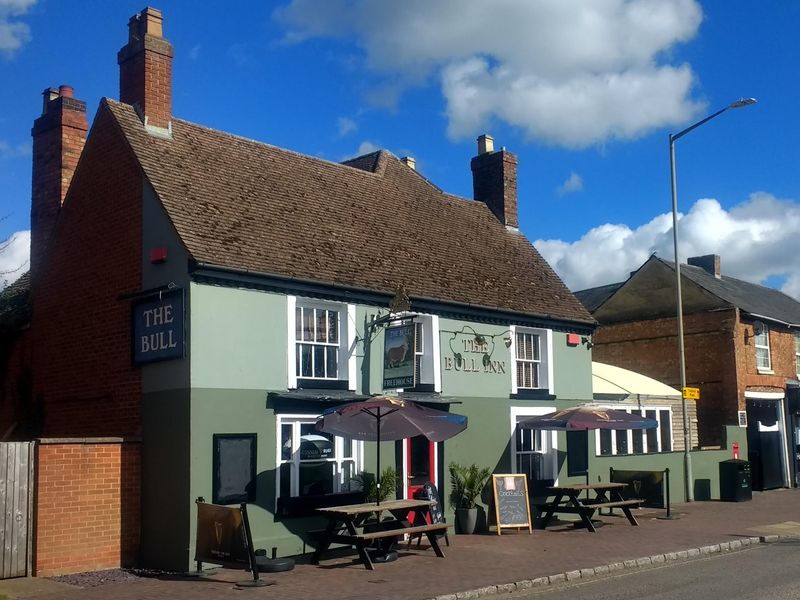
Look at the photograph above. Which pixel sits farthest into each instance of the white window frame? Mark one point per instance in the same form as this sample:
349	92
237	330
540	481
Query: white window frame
629	433
545	363
347	340
764	335
296	420
549	439
430	367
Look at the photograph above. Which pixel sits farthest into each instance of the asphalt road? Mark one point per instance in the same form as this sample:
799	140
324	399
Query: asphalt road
764	571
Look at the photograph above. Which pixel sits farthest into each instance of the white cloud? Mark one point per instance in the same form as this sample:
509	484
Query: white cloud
14	257
755	239
574	183
8	150
13	33
364	147
568	72
346	126
194	52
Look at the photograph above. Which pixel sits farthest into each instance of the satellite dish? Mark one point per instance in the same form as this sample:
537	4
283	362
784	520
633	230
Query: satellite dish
758	328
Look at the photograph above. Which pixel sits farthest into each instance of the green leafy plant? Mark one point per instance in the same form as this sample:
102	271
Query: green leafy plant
366	481
466	484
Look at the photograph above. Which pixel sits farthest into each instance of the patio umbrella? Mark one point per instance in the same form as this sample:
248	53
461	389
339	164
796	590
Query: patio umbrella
387	418
585	417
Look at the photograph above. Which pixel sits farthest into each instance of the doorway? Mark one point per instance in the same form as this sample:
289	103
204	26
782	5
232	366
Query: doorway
419	464
765	443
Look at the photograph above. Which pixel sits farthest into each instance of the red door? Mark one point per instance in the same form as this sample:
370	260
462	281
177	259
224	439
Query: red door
420	463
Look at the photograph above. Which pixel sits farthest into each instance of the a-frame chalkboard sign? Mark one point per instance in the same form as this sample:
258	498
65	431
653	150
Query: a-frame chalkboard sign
511	505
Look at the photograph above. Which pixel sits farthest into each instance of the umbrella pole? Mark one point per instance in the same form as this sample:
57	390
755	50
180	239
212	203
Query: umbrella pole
378	474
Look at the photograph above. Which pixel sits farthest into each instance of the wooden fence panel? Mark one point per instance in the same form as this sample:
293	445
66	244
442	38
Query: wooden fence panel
16	508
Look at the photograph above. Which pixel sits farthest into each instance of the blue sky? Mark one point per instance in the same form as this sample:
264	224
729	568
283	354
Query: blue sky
584	92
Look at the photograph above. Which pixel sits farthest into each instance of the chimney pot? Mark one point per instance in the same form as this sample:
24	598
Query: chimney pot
48	95
485	144
66	91
410	162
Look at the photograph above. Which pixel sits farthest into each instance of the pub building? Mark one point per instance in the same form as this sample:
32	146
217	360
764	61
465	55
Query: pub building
211	296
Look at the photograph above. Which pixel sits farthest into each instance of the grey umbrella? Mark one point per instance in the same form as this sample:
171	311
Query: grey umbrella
386	418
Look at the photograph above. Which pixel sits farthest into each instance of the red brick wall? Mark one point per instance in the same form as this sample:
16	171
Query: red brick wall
720	360
87	505
651	348
81	326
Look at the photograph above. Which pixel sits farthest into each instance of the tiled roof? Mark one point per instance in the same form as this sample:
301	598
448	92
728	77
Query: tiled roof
242	204
15	304
593	298
749	297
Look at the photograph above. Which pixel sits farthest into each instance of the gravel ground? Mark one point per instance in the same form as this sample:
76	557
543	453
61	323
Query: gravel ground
98	578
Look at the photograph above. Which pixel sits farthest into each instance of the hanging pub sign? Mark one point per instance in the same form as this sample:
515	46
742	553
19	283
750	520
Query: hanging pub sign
398	356
158	328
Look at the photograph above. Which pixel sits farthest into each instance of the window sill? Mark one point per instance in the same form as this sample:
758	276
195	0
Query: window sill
765	371
532	395
323	384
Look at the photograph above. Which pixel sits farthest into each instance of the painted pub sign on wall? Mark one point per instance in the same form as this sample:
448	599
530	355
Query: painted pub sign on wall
158	328
398	356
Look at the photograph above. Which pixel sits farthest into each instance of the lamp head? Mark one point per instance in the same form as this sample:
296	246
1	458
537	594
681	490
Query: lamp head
742	102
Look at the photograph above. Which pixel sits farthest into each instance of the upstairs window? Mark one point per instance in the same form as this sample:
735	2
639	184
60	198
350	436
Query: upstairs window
763	362
531	355
319	341
529	360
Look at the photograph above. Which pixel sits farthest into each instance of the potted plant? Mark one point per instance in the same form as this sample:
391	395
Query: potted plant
466	486
366	481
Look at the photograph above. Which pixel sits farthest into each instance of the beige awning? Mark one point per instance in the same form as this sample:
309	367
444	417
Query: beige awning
610	380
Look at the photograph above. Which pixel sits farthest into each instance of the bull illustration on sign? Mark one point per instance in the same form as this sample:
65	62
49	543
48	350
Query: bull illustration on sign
398	356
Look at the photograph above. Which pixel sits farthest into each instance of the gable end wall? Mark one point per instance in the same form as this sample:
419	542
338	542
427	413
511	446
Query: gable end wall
82	358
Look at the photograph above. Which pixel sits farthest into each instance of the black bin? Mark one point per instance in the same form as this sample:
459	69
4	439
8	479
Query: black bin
735	481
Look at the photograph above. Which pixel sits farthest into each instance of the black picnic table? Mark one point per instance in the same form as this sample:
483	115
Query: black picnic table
606	495
346	524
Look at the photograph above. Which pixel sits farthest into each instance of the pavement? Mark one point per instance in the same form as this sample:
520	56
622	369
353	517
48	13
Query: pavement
481	565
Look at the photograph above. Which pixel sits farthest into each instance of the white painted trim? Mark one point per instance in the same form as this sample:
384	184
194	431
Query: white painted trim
352	367
437	357
513	349
550	378
291	379
532	411
404	469
765	395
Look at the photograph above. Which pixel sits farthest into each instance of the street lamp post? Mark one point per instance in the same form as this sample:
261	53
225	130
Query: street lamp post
687	433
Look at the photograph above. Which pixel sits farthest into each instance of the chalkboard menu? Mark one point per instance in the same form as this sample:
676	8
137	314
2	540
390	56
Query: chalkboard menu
429	492
511	504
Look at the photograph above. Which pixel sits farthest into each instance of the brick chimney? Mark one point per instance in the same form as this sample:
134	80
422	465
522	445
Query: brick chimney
58	138
145	69
494	181
708	262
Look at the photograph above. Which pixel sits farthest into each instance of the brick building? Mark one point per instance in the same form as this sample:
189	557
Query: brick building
742	348
196	294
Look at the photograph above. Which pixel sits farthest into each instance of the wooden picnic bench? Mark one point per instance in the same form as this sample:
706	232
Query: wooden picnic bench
346	526
607	495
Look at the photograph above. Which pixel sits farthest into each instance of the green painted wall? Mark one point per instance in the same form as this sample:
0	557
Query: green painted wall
238	339
166	520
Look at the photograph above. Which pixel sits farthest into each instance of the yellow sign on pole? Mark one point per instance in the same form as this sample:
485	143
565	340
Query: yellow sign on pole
691	393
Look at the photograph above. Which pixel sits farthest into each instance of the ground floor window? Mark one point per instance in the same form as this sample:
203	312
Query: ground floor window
638	441
312	463
534	450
